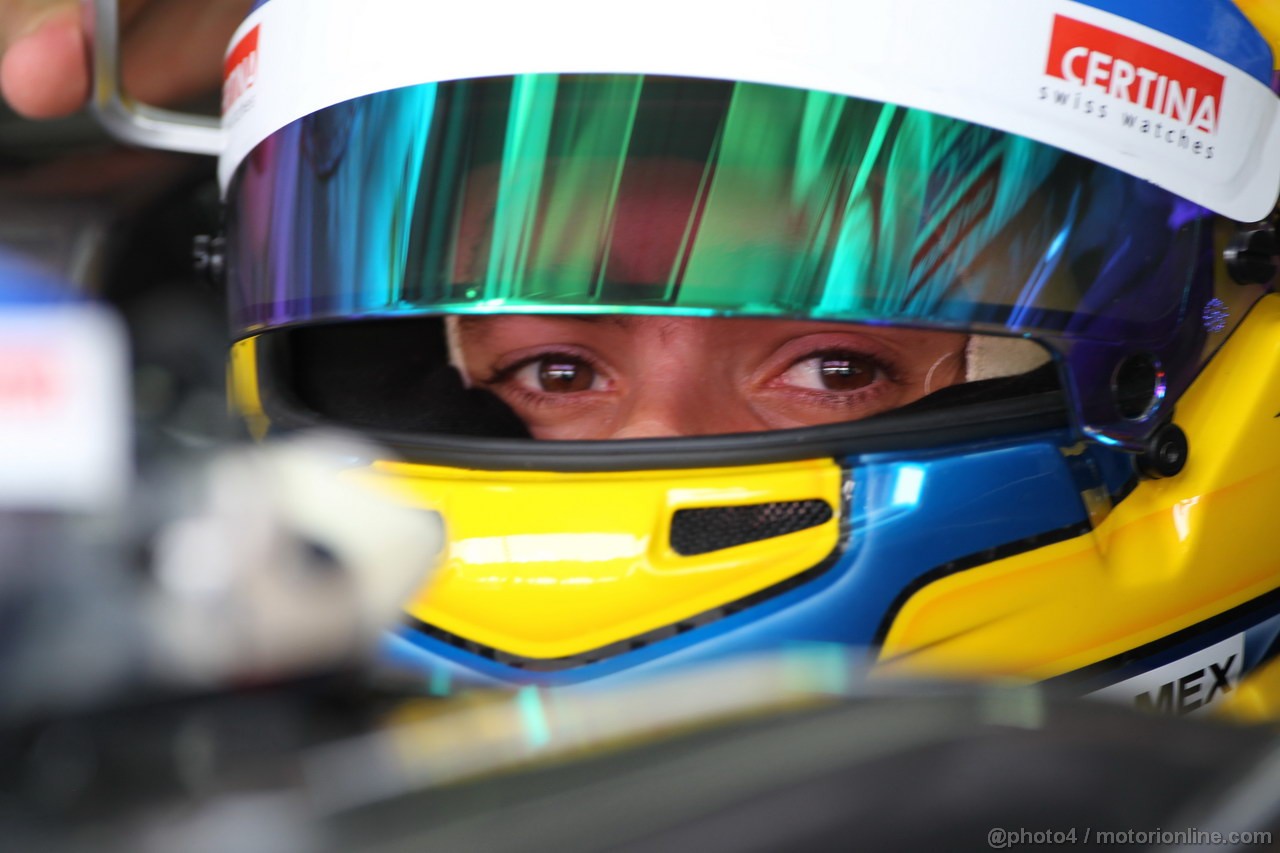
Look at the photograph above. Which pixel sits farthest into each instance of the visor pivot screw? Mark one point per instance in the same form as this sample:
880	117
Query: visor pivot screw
209	257
1138	386
1251	254
1165	454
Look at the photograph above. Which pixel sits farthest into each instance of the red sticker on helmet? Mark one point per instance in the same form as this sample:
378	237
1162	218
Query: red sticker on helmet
1135	72
240	70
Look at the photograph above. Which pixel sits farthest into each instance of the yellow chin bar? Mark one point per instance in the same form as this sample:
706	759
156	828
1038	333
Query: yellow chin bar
549	565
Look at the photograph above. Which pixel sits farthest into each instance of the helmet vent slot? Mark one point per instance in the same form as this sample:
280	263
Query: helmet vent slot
703	530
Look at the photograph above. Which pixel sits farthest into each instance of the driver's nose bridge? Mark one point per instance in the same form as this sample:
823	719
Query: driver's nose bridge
545	565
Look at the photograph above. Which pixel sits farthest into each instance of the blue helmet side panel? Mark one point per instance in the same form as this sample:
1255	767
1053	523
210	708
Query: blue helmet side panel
1215	26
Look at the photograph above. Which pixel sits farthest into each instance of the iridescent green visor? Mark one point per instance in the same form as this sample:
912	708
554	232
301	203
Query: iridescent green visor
586	194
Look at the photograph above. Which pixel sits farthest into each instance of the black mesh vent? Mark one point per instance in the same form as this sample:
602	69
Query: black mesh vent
700	531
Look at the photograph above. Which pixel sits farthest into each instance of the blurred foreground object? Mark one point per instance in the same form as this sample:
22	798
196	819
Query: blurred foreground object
244	564
65	420
254	565
793	751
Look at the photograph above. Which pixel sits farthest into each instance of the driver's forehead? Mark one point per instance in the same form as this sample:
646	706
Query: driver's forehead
719	333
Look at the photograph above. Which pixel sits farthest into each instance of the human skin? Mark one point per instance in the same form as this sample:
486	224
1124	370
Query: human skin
172	51
612	377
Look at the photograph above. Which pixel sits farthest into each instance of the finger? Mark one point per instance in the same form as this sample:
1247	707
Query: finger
20	18
175	51
44	72
44	68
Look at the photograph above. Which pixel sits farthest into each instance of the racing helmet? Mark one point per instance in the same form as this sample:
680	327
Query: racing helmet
472	230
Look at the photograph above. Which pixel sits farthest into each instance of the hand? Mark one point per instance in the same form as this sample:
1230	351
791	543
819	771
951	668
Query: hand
172	51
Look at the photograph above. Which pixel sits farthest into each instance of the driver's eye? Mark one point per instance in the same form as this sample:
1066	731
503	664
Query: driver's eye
835	371
844	373
558	374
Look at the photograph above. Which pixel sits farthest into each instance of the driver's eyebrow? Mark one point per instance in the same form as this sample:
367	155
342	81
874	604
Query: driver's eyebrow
480	326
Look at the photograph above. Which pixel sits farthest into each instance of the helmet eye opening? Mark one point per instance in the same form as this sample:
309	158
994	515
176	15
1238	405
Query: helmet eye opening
391	380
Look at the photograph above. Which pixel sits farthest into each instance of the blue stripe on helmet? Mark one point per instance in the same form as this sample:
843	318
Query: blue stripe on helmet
1215	26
